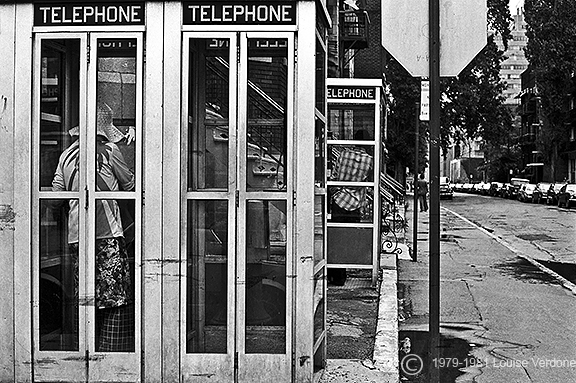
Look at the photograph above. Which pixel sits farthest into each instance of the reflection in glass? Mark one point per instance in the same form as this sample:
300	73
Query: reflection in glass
265	304
320	77
353	163
207	277
114	275
350	122
319	153
319	303
209	114
319	203
267	102
116	98
351	204
58	276
59	83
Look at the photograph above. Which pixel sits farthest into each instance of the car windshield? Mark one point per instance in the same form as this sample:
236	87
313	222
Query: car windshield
558	187
530	187
571	188
543	186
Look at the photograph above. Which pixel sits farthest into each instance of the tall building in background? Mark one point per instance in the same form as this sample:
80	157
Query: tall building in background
514	64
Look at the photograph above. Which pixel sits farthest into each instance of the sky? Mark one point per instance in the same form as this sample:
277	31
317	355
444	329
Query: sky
514	4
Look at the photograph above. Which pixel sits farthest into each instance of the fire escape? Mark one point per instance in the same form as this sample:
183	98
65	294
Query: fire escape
354	22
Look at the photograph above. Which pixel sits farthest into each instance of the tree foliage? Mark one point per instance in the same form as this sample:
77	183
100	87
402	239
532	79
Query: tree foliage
551	51
472	104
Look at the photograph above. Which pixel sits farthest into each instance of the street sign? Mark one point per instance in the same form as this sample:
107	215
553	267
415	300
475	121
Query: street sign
463	32
425	100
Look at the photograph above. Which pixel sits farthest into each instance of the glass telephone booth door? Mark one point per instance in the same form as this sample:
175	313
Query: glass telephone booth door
86	197
236	289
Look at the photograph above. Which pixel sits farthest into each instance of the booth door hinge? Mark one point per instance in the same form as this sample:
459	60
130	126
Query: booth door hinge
294	198
236	361
237	198
86	198
88	53
238	48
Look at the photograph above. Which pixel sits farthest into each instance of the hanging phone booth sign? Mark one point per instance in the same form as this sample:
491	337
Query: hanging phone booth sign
346	92
53	15
247	13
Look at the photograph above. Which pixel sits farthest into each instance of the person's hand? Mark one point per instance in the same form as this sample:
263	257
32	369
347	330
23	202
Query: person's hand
130	135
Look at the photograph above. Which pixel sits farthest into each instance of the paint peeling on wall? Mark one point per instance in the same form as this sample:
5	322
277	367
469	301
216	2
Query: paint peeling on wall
7	217
3	104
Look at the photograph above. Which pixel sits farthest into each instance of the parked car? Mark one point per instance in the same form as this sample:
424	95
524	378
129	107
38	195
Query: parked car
485	188
476	188
525	192
466	187
509	191
567	195
495	189
512	192
446	191
539	194
552	195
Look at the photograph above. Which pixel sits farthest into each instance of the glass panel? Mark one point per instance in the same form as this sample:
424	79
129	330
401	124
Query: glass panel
265	304
319	204
320	77
319	303
209	114
340	251
114	275
58	275
351	204
207	272
353	163
319	153
116	109
351	122
59	102
267	101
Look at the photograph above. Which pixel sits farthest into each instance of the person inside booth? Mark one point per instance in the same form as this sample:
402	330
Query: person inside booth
348	203
113	290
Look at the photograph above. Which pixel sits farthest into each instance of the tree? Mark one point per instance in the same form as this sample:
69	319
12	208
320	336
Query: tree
472	104
551	51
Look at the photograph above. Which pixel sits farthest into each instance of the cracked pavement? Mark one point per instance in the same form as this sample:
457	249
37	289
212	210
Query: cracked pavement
518	321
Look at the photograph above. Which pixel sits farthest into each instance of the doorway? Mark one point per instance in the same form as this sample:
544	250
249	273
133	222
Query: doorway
86	198
237	189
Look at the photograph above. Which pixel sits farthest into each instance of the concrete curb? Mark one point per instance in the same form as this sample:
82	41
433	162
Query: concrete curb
386	343
383	368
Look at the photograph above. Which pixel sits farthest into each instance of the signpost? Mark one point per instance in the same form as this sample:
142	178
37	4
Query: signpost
432	41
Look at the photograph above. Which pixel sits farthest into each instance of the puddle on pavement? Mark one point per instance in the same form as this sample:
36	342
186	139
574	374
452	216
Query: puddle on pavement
414	358
521	269
567	270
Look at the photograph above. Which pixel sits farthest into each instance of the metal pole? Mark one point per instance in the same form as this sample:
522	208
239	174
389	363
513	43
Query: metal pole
434	292
415	188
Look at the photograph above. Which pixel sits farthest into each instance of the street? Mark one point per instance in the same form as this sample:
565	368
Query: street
502	318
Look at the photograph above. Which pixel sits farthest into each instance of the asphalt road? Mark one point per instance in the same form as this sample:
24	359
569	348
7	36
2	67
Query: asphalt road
507	320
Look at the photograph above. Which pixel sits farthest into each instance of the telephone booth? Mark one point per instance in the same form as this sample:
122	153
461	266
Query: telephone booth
355	139
167	224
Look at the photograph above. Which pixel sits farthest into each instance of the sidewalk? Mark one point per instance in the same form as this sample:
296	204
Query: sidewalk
383	366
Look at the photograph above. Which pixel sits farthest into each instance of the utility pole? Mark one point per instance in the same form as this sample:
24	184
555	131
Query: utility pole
415	188
434	235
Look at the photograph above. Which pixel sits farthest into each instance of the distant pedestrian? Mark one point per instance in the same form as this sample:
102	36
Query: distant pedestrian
423	193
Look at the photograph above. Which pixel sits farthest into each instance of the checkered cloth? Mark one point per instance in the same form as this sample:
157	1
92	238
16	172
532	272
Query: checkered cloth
115	329
353	164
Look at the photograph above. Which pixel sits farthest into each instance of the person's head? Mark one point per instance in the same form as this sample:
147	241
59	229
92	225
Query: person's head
421	176
104	125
